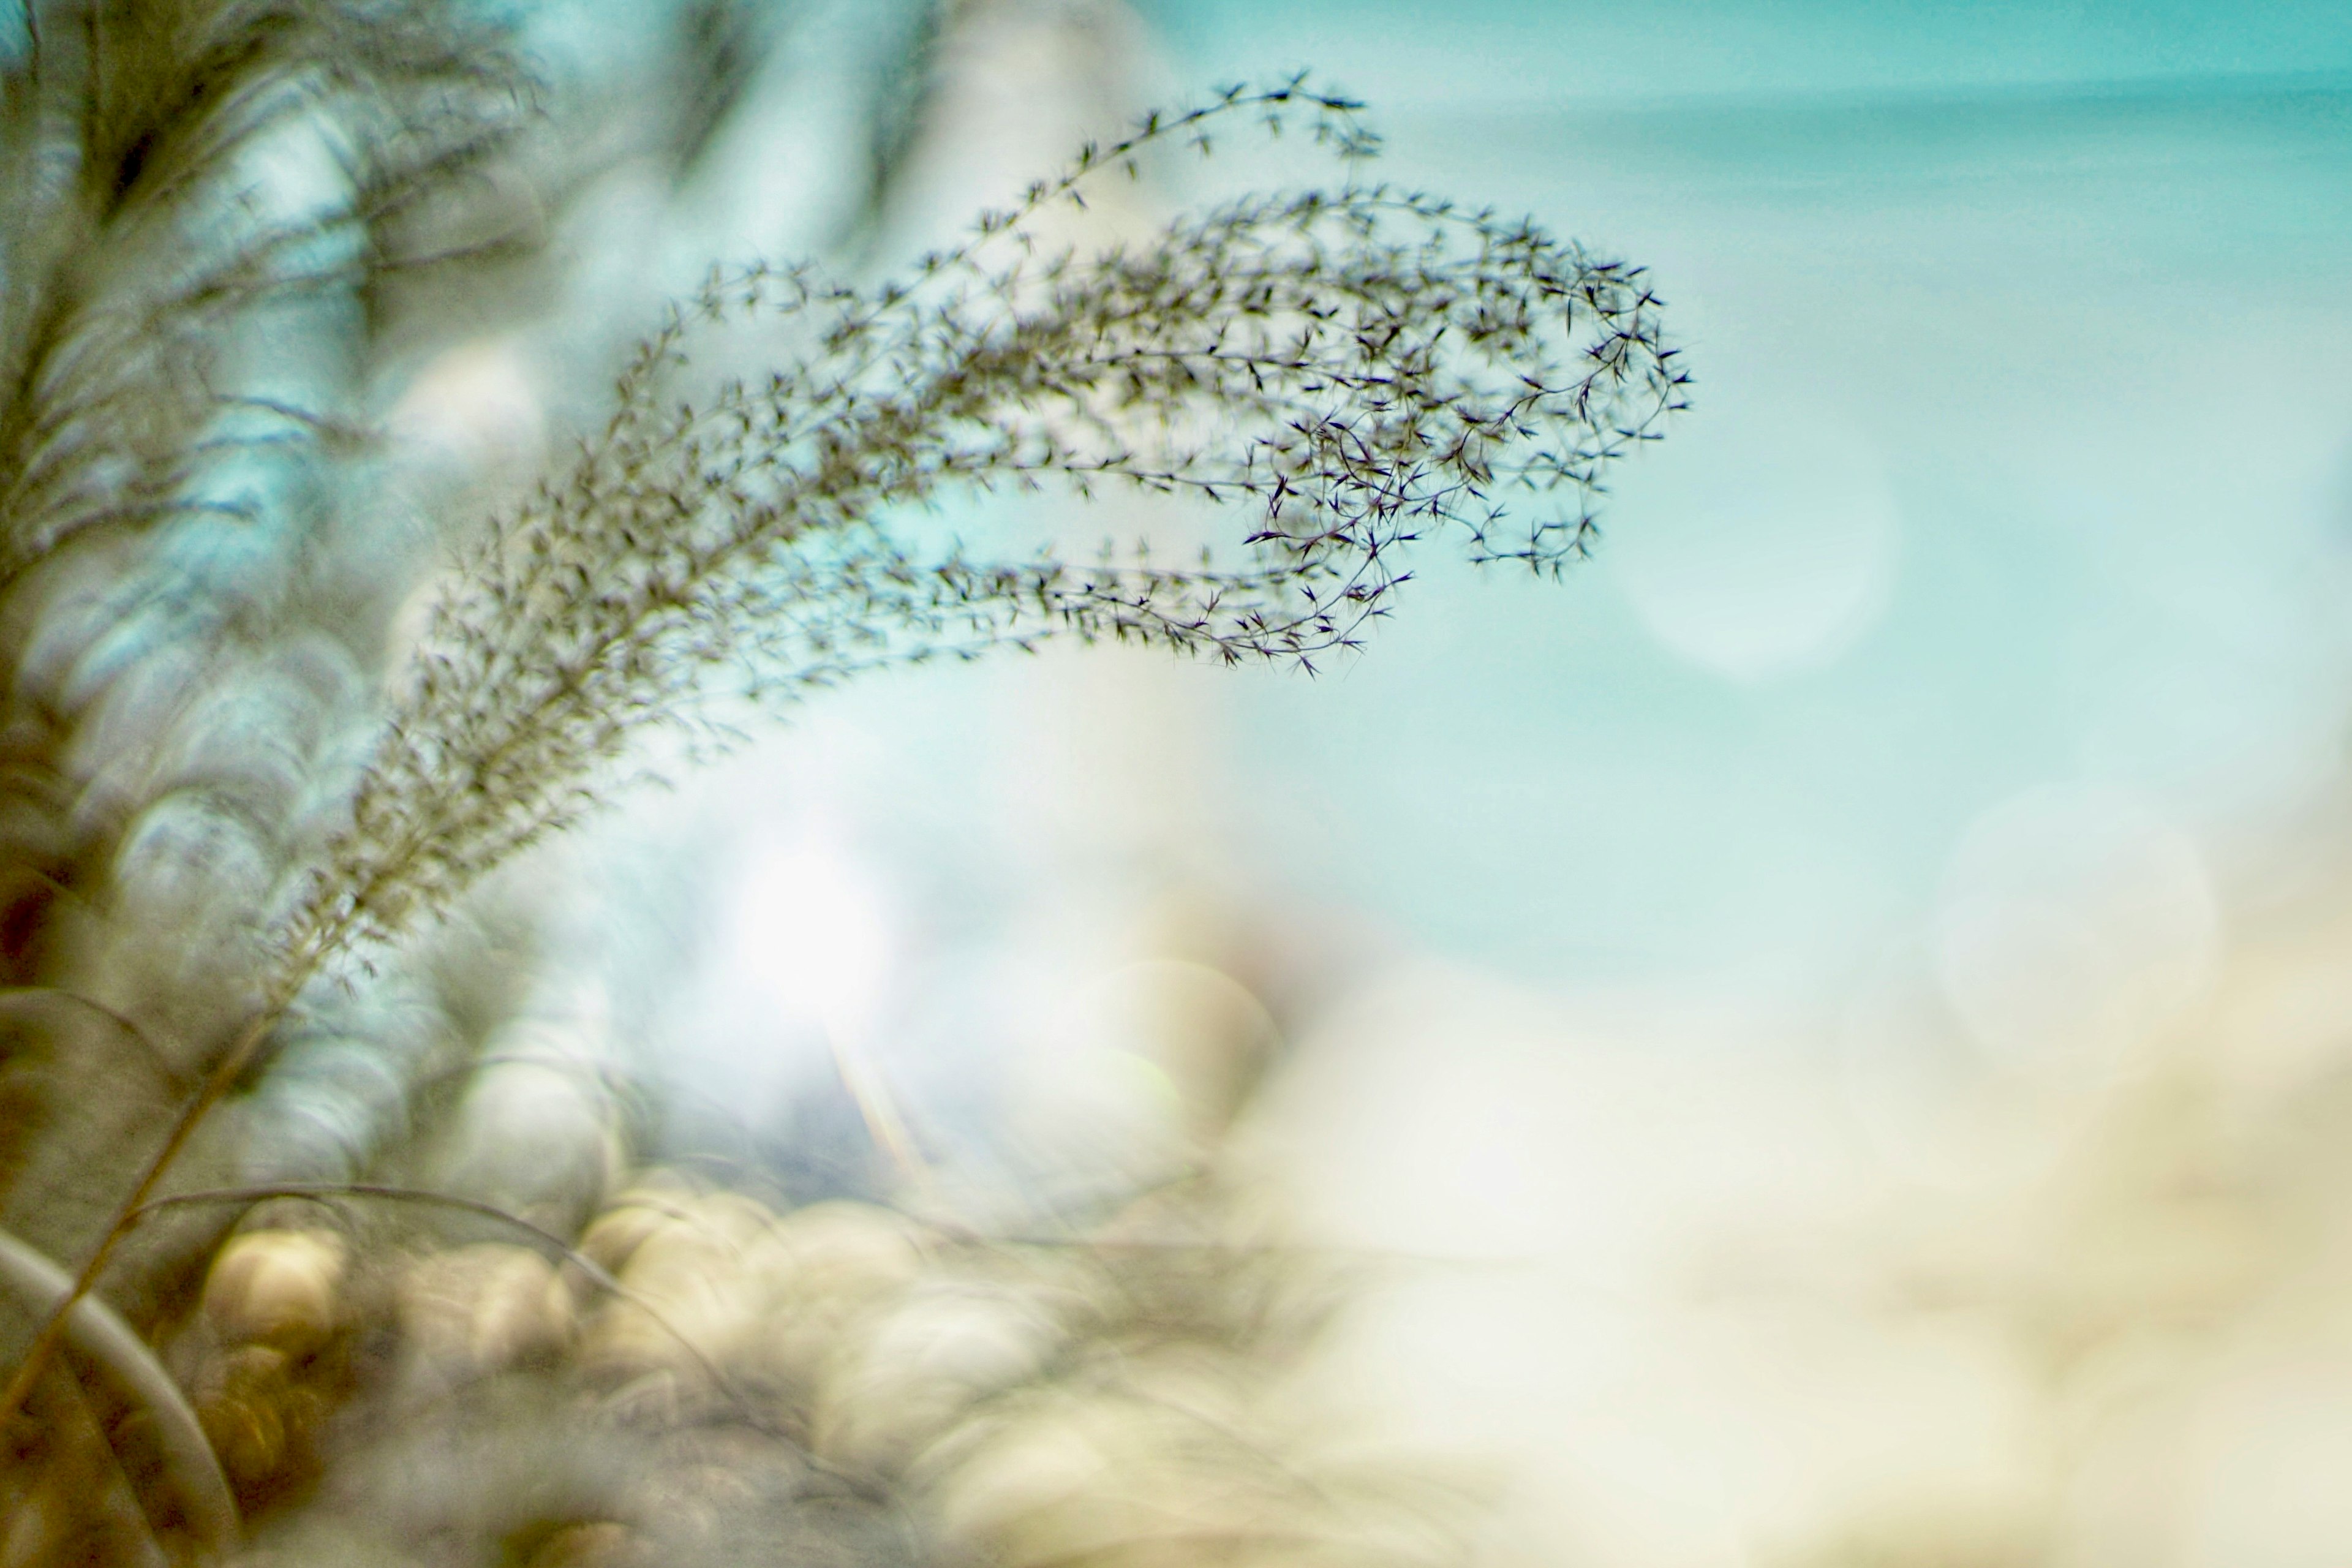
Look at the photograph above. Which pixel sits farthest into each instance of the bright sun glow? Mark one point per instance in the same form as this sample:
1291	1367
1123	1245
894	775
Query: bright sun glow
809	928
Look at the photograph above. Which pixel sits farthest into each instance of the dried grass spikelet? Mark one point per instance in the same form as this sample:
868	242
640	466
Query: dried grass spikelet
601	1544
634	1216
263	1416
718	1283
269	1366
277	1287
1095	1476
683	1261
1164	1427
1002	1477
909	1373
485	1308
1081	1477
823	1270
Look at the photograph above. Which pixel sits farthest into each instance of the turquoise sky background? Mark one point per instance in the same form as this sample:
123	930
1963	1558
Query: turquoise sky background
1548	52
2021	460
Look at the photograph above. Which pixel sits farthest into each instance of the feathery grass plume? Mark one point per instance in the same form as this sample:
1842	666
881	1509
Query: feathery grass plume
1356	368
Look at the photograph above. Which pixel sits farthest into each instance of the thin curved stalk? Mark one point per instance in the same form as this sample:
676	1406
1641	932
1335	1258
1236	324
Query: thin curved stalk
170	1070
65	1311
94	1329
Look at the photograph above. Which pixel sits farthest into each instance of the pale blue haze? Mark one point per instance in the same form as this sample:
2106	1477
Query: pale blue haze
2064	288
